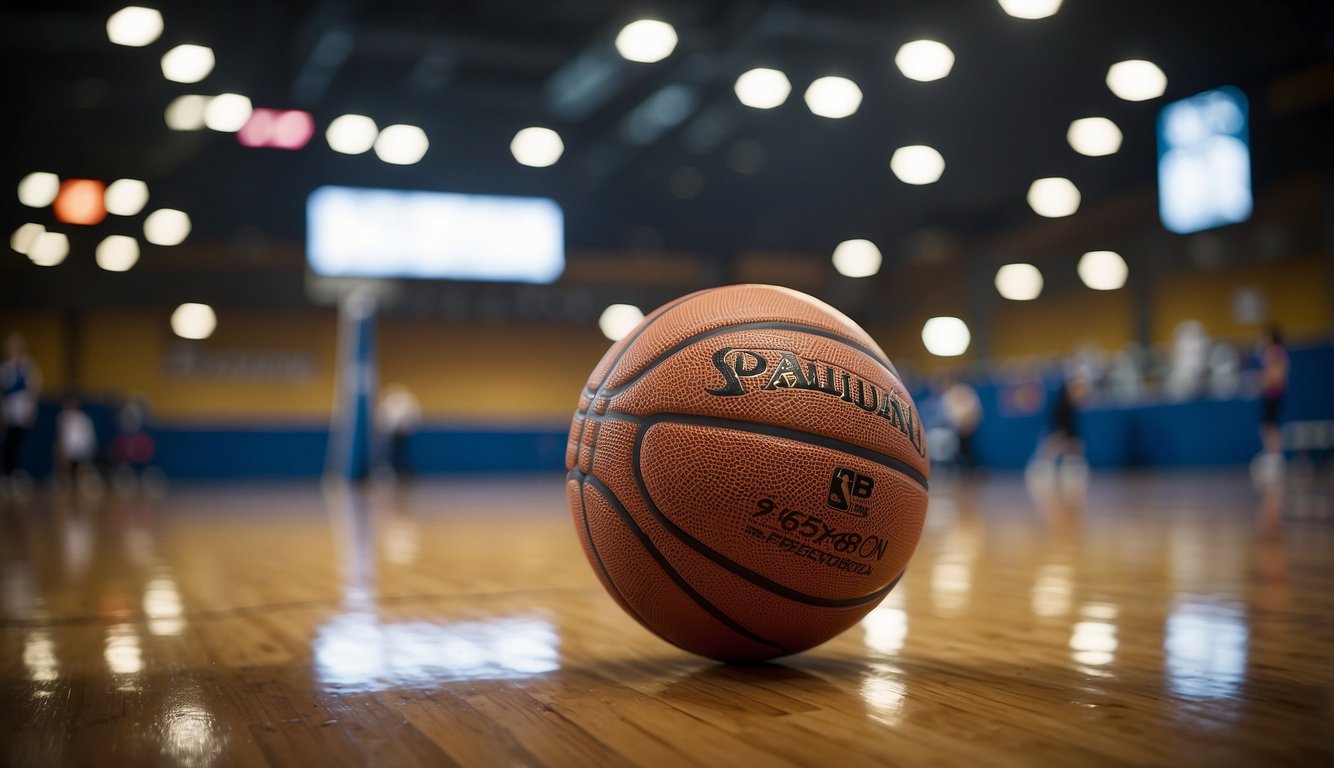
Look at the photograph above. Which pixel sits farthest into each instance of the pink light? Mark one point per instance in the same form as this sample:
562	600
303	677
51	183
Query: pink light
282	129
293	129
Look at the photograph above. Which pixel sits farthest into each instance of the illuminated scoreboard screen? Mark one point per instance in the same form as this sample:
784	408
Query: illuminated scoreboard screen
356	232
1204	161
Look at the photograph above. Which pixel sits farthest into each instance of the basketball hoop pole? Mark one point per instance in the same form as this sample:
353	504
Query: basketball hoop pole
350	452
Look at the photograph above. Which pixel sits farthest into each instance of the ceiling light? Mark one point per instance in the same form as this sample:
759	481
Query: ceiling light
39	189
1136	80
401	144
351	134
227	112
1094	136
194	321
1103	270
618	320
80	201
187	63
117	253
917	164
537	147
1030	9
1019	282
946	336
48	249
24	237
186	113
762	88
924	60
167	226
857	258
833	97
646	41
126	197
134	26
1053	197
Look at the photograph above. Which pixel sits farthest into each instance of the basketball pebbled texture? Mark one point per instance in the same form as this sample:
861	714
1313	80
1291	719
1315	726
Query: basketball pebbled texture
747	472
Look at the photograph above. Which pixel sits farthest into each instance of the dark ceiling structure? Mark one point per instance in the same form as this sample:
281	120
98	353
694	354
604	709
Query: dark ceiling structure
711	176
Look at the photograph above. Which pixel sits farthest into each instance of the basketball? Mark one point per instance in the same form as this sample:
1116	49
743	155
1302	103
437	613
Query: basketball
747	472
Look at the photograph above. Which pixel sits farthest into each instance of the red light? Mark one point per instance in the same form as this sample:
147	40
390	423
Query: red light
278	128
80	202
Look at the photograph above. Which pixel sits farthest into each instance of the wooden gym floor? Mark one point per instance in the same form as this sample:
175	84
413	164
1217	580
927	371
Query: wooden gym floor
1156	619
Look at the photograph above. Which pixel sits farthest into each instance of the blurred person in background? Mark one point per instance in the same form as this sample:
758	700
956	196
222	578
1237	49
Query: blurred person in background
963	413
1273	386
133	449
76	448
397	418
20	383
1063	442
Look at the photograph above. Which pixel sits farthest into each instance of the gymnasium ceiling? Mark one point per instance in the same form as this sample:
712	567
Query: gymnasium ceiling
473	73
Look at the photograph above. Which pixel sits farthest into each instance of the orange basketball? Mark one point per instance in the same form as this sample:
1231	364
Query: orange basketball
747	472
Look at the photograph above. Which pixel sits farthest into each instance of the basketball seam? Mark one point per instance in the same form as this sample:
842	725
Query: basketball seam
578	477
761	325
592	401
714	555
671	572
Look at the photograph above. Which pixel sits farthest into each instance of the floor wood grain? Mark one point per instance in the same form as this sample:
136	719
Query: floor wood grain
1148	619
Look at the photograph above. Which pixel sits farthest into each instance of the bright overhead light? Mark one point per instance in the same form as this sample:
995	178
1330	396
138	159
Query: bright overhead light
1103	270
762	88
24	237
1030	9
48	249
917	164
227	112
117	253
126	197
946	336
39	189
1053	197
537	147
186	113
401	144
194	321
134	26
351	134
618	320
924	60
167	226
80	201
187	63
833	97
857	258
1136	80
277	128
1019	282
646	41
1094	136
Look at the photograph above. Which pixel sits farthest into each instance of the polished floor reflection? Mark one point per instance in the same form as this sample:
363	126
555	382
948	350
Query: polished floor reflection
1147	619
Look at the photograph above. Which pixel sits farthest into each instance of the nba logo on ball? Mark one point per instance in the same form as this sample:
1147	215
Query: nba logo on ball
847	485
746	472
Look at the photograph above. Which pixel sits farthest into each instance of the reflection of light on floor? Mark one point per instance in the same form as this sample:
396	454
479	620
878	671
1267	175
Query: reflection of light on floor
884	692
1206	647
355	649
122	652
886	629
401	540
1093	641
1051	592
39	656
162	603
950	584
190	738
